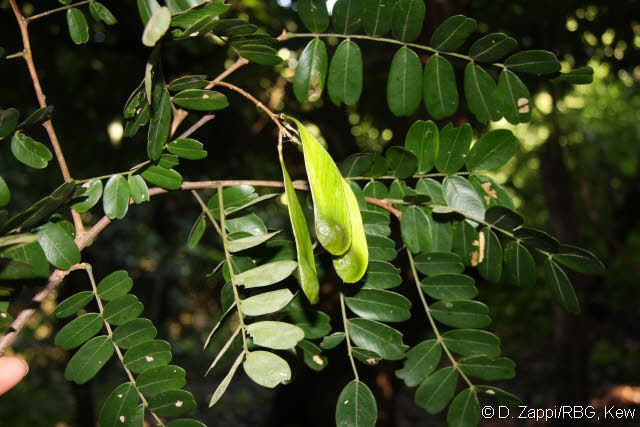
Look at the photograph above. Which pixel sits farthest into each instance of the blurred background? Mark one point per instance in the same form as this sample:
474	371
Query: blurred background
577	174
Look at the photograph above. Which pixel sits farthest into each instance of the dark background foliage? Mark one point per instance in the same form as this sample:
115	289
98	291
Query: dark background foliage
576	174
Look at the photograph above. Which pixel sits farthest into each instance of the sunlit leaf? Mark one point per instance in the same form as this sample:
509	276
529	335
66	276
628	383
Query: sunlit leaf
352	265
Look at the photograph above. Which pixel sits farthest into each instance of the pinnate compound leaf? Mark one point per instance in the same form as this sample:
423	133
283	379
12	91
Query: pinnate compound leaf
160	379
472	342
73	304
314	15
453	147
122	309
78	27
265	303
464	410
345	74
87	361
533	62
560	287
59	248
492	47
331	209
421	361
377	337
201	100
134	332
311	72
440	89
266	369
404	82
407	19
492	150
120	406
452	33
352	265
481	94
168	179
356	406
275	335
172	403
519	267
116	197
78	331
435	392
488	369
157	26
29	151
579	260
147	355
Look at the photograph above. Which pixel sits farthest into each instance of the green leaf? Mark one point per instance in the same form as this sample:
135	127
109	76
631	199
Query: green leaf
116	197
30	152
356	165
197	231
160	379
533	62
449	287
101	13
73	304
377	16
94	192
146	9
346	16
78	27
492	47
514	98
503	217
172	403
243	243
377	190
368	357
166	178
579	260
375	304
314	15
307	276
8	121
536	239
266	369
423	141
519	267
78	331
454	145
134	332
147	355
488	369
356	406
435	392
265	303
415	230
87	361
461	314
402	162
24	262
421	361
492	150
198	81
266	274
490	268
452	33
407	19
222	387
330	205
345	74
312	355
159	126
114	285
275	335
381	248
492	193
579	76
431	188
481	93
461	196
502	396
58	246
352	265
168	161
382	275
311	72
464	410
187	148
435	263
157	26
138	188
440	89
260	54
120	406
377	337
404	83
315	324
472	342
332	341
201	100
122	309
40	115
560	287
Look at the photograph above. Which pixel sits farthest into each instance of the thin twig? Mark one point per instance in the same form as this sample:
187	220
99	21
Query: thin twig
345	323
52	11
